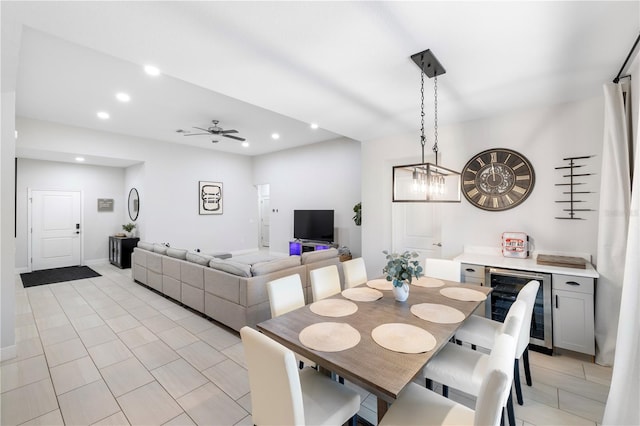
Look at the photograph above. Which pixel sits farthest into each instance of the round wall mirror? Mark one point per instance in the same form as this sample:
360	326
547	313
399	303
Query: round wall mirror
134	204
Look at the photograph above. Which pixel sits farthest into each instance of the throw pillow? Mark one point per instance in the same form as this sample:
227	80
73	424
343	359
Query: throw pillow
177	253
316	256
160	249
200	259
264	268
145	246
231	267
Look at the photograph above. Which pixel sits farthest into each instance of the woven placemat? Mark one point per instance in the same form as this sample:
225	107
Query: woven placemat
380	284
463	294
428	282
329	336
434	312
405	338
362	294
333	307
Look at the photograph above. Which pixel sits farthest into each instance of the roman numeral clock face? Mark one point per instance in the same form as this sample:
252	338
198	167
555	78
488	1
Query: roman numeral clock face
497	179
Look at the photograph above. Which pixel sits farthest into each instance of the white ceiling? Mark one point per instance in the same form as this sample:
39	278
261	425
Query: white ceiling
263	67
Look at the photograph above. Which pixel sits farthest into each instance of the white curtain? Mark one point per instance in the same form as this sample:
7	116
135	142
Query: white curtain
624	396
615	194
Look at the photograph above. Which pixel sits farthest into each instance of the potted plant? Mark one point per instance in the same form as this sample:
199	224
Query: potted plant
357	217
400	270
128	228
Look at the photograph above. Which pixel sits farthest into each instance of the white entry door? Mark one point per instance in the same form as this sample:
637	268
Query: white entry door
264	221
417	227
55	229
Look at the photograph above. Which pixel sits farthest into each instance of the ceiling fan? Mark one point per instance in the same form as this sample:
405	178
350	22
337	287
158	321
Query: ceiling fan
214	130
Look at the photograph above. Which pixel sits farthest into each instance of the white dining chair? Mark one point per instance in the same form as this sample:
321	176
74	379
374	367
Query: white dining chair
444	269
285	295
464	369
283	395
325	282
355	272
417	405
480	331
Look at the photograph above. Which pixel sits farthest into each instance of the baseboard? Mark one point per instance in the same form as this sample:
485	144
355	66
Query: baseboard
22	270
8	352
96	262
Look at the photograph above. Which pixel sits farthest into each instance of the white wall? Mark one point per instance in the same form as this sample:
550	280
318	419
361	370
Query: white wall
94	182
134	177
169	189
319	176
544	135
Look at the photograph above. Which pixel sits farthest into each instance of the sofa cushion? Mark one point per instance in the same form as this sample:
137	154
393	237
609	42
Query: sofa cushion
316	256
160	249
145	246
177	253
253	258
200	259
264	268
231	267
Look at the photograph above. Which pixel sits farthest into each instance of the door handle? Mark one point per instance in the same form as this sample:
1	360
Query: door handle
437	244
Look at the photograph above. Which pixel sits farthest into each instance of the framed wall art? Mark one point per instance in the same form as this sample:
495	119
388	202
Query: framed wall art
210	197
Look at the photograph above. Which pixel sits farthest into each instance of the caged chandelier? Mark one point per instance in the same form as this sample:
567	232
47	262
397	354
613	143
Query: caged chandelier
426	182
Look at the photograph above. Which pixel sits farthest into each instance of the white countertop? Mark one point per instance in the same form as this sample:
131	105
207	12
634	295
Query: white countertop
529	264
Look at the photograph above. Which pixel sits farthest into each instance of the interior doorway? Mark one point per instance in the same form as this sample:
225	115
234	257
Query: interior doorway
55	219
417	227
265	215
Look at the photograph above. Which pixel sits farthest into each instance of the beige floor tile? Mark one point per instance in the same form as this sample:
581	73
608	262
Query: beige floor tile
570	383
179	377
202	402
26	332
87	322
87	404
368	415
79	311
27	402
97	335
137	337
64	352
118	419
247	421
540	392
55	335
74	374
122	323
201	355
558	362
25	319
52	321
160	303
230	377
539	414
175	312
177	337
245	402
159	323
219	338
52	418
131	302
581	406
26	349
155	354
236	353
23	372
195	324
101	302
109	353
149	405
597	373
111	312
181	420
125	376
143	311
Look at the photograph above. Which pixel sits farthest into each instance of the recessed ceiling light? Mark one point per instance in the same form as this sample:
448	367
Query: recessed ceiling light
245	144
103	115
151	70
123	97
275	136
80	159
314	126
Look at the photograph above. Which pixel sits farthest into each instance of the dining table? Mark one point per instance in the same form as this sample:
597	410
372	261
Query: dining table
378	370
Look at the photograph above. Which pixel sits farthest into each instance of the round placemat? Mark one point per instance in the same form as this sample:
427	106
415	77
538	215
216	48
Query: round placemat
380	284
404	338
464	294
428	282
333	307
441	314
362	294
329	336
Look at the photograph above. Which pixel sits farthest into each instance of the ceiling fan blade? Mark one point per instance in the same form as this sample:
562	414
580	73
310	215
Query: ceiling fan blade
229	131
196	134
234	137
200	128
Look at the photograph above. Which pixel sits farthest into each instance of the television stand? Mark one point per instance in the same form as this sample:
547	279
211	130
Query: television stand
297	247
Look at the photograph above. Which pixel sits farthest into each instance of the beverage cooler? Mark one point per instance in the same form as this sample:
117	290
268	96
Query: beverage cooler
506	284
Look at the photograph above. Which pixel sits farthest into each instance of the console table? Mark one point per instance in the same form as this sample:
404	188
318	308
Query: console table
120	249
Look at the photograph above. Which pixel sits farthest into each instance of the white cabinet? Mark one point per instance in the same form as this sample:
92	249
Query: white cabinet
573	313
474	275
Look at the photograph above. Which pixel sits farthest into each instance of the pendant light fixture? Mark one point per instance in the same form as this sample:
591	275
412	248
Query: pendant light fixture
426	182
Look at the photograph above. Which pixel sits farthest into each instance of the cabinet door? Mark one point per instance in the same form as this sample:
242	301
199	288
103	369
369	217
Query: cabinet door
474	275
573	321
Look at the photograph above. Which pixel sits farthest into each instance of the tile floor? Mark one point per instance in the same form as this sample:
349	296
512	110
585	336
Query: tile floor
107	351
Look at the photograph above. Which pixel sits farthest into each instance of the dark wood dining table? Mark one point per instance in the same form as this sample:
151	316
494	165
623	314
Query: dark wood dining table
378	370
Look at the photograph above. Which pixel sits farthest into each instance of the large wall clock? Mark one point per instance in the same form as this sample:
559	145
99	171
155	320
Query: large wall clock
497	179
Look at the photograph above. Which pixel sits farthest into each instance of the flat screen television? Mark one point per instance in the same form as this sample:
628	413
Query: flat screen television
313	225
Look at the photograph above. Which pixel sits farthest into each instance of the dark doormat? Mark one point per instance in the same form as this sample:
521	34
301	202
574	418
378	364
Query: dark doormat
57	275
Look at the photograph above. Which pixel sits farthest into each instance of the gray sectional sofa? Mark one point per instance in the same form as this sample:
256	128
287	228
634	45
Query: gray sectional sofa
232	290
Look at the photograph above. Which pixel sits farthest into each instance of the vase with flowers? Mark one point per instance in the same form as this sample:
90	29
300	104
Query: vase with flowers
400	270
128	228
